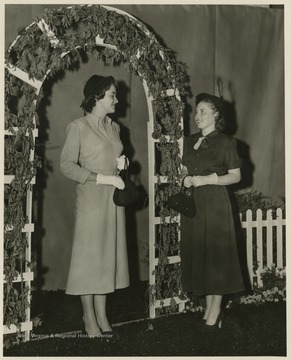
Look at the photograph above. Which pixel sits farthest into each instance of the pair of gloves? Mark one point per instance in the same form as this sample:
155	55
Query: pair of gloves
122	163
198	180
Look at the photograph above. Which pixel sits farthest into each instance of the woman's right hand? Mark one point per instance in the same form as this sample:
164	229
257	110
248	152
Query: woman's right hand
110	180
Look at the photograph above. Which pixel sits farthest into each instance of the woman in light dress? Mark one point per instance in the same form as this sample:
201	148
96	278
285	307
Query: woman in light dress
91	156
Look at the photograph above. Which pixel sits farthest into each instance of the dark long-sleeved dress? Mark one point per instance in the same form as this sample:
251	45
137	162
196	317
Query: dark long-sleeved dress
209	257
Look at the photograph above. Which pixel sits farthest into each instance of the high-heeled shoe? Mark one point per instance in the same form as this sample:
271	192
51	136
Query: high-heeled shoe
85	333
217	324
199	317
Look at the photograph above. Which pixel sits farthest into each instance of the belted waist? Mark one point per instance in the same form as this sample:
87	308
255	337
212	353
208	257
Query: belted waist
106	172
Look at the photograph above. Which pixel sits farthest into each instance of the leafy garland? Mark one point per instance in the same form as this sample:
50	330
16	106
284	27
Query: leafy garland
35	52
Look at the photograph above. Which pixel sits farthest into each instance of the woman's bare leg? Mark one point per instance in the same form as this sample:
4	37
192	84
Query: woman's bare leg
214	310
89	318
208	300
100	310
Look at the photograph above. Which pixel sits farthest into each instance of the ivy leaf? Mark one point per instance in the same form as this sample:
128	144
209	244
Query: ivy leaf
21	30
150	327
37	320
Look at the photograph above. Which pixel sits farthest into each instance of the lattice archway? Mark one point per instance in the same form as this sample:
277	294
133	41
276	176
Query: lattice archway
41	49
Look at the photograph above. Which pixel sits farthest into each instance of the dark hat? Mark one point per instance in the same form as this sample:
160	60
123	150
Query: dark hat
97	84
216	101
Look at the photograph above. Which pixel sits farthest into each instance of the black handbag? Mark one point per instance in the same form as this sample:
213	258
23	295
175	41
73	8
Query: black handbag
183	202
128	195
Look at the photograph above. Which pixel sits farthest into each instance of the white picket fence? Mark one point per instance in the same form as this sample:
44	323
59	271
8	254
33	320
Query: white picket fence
267	237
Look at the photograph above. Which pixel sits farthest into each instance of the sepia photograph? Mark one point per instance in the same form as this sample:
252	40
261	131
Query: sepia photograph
144	180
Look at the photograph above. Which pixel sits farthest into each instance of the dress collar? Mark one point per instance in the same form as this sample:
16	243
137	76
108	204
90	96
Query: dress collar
96	121
212	133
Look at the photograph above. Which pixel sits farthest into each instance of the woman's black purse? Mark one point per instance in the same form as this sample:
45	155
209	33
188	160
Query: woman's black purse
128	195
183	202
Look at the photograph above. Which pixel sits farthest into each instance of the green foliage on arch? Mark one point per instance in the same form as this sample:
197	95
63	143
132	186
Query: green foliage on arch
41	54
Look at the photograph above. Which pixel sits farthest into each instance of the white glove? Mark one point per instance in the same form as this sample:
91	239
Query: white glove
110	180
211	179
187	181
122	162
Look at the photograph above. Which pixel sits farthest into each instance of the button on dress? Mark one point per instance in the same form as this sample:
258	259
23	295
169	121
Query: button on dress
209	257
99	263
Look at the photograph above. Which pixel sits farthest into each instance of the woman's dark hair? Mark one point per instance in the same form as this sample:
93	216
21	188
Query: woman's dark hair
217	106
95	89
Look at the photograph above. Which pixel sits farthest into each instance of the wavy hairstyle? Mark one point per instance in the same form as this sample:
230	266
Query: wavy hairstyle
94	90
217	105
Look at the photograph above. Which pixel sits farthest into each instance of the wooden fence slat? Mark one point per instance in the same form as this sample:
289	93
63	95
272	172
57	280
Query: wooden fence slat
279	238
27	228
249	236
269	238
259	231
8	179
8	132
172	260
152	227
160	179
22	75
29	203
167	302
168	220
27	277
24	326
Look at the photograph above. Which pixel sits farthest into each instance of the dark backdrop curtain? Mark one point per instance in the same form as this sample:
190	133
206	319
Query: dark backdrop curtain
249	51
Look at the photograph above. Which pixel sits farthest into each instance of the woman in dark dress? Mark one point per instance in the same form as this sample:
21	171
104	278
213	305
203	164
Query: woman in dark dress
209	258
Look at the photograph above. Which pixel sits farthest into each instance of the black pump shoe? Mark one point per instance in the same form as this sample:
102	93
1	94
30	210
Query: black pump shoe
218	322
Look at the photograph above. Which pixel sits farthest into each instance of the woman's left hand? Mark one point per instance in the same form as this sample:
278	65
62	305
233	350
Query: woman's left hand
198	180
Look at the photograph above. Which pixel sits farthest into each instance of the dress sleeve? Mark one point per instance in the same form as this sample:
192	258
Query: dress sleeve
69	165
232	160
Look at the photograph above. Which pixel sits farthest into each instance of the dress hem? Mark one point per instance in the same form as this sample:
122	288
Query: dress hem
96	293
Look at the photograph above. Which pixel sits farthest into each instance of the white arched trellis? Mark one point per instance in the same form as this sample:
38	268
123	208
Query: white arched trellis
154	221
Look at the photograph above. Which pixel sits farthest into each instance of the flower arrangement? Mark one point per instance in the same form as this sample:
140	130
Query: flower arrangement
196	304
272	290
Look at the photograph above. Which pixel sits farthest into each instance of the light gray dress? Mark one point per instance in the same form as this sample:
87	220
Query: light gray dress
99	262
